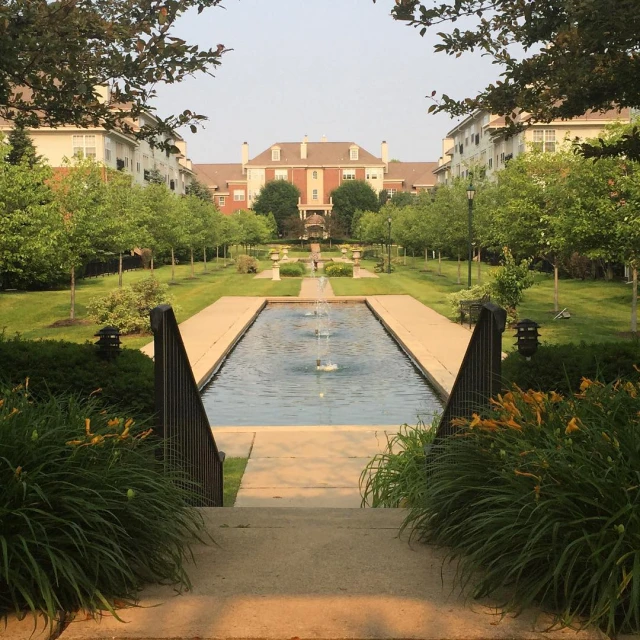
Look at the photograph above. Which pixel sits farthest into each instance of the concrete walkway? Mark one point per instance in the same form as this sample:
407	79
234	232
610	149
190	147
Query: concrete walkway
309	289
315	575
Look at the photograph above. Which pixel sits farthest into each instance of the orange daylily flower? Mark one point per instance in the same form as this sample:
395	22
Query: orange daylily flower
556	397
512	424
526	474
114	422
572	426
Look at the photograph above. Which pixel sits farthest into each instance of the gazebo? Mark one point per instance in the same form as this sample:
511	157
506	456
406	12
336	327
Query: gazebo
314	226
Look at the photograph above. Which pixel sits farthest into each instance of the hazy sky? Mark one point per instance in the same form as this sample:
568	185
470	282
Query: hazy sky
342	68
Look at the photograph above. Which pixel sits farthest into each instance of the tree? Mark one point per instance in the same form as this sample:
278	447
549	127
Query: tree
571	62
80	195
21	147
280	198
199	190
350	196
49	76
155	177
30	227
402	199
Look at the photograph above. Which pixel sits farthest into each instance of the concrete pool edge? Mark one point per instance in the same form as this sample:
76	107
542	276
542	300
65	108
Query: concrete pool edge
435	344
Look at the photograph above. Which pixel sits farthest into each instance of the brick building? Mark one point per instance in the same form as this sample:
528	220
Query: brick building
316	168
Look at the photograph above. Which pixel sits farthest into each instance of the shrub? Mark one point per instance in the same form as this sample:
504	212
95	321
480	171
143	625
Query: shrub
246	264
561	367
338	270
65	367
539	499
128	308
476	292
509	283
292	269
88	513
383	265
396	477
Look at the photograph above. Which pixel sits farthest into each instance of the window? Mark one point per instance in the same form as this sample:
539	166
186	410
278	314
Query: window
392	192
353	154
490	163
222	201
248	174
373	174
314	194
281	174
544	140
238	195
107	149
84	145
314	175
348	174
275	155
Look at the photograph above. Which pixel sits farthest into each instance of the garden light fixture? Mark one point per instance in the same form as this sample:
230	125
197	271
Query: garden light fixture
527	337
471	192
108	342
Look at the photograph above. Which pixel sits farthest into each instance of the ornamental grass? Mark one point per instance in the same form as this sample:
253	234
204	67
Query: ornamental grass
541	495
87	514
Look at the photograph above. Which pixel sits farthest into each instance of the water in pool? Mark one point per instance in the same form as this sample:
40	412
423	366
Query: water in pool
271	378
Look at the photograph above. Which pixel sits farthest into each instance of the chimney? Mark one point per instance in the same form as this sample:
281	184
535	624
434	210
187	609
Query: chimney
245	155
303	148
324	138
384	154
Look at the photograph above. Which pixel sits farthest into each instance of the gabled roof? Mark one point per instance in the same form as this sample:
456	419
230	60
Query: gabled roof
318	154
218	176
414	174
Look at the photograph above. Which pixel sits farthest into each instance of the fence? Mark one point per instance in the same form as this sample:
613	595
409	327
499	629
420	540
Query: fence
479	377
108	267
181	420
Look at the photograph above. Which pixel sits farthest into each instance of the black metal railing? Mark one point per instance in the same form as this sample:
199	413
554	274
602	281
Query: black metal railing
110	266
479	377
181	420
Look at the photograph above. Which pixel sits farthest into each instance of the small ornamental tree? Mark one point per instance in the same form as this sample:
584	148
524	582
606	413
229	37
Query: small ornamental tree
280	198
509	283
350	196
199	190
22	148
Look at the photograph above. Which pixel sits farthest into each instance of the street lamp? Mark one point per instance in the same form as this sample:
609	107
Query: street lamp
389	245
471	192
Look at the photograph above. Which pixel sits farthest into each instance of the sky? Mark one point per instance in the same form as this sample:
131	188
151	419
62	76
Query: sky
340	68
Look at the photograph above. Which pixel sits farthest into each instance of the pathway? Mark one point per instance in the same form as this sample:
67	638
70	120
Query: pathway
309	289
314	575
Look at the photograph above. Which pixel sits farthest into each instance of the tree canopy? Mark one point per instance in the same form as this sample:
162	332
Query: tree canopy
280	198
559	59
56	56
351	196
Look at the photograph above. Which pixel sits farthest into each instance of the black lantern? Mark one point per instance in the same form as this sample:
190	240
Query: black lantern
527	337
108	342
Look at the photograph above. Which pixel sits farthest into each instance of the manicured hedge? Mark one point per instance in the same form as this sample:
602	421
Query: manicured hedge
65	367
338	270
292	269
561	367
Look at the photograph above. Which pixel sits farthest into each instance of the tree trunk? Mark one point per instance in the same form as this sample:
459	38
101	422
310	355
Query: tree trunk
405	257
193	269
556	282
426	258
634	300
72	312
217	253
224	255
439	262
152	264
609	272
204	256
173	266
479	265
459	269
120	271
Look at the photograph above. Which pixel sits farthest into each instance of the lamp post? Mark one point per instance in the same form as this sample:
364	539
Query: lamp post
389	246
471	192
527	337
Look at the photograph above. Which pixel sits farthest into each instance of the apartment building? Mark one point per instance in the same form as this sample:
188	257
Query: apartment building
316	168
116	150
476	144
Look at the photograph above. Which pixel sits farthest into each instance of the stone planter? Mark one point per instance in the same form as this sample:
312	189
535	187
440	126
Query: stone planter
285	254
356	254
275	257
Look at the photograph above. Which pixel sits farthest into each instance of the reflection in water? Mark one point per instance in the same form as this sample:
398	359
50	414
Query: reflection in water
270	378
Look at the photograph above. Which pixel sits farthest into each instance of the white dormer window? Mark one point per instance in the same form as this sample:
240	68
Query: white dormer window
275	155
353	153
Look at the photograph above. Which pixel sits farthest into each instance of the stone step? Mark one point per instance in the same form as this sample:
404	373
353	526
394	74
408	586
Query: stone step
279	574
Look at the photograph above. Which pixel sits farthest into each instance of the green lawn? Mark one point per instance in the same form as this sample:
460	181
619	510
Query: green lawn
600	311
233	471
31	313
